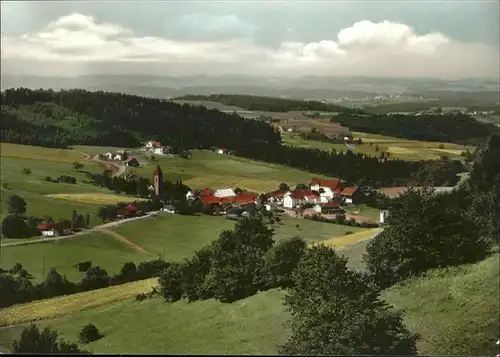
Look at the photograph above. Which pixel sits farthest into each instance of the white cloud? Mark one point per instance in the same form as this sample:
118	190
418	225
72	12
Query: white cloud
79	42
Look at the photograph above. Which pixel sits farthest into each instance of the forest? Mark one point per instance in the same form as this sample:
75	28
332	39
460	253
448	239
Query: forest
454	128
268	104
78	117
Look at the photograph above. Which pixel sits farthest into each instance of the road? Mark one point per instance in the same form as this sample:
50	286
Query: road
96	228
119	168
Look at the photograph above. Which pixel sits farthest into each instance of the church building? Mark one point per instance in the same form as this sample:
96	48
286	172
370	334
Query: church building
158	181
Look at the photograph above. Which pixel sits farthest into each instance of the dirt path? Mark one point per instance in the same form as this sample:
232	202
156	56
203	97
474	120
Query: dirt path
116	168
124	240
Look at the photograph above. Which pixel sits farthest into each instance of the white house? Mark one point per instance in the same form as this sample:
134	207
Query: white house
328	208
118	157
384	214
328	189
294	198
108	156
50	233
277	197
226	192
189	195
158	151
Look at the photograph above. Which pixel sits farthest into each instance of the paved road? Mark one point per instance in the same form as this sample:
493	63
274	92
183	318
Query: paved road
96	228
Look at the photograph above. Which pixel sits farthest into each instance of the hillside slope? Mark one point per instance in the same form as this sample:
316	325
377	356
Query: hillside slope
455	310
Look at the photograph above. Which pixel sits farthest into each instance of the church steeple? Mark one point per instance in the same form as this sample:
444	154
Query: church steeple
158	181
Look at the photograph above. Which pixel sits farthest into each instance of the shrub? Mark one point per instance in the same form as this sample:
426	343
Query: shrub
32	340
84	266
26	171
338	311
171	282
89	333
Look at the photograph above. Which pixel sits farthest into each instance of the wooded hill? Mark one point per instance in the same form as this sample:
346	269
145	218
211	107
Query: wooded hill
76	117
268	104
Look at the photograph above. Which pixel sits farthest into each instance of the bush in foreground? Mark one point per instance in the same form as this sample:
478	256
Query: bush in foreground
89	333
338	311
33	340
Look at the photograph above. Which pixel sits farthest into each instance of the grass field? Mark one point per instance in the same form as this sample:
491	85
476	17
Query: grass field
452	309
36	191
99	248
397	147
350	239
16	151
207	169
177	237
93	198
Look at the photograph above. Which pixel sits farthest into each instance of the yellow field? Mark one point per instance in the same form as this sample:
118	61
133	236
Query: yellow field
449	151
219	182
50	308
349	239
400	150
94	198
17	151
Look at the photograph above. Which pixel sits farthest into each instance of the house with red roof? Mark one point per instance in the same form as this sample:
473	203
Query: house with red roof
352	195
327	188
294	198
276	197
55	229
132	162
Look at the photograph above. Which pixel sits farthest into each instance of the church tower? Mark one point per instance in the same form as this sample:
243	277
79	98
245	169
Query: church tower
158	181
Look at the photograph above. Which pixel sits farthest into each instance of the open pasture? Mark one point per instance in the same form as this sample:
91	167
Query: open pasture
17	151
177	237
208	169
445	307
94	198
397	148
103	250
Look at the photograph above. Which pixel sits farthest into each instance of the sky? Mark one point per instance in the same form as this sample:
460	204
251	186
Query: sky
446	39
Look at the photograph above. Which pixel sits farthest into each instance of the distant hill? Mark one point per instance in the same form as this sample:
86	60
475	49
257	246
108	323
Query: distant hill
267	104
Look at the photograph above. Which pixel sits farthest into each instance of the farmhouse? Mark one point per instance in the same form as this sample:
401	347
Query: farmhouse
328	189
55	229
132	161
153	144
128	211
118	157
297	197
352	195
329	208
277	197
108	155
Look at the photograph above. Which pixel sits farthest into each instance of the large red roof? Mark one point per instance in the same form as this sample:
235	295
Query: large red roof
131	159
131	208
210	200
301	194
44	227
349	191
278	194
330	183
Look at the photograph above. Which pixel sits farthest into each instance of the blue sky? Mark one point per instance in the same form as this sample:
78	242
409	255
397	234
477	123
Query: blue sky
451	38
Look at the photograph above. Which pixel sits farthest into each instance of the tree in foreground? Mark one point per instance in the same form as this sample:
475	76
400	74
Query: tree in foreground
427	231
33	340
338	311
89	333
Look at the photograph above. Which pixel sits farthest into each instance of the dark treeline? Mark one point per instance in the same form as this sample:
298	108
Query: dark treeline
268	104
457	128
17	286
98	118
182	126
